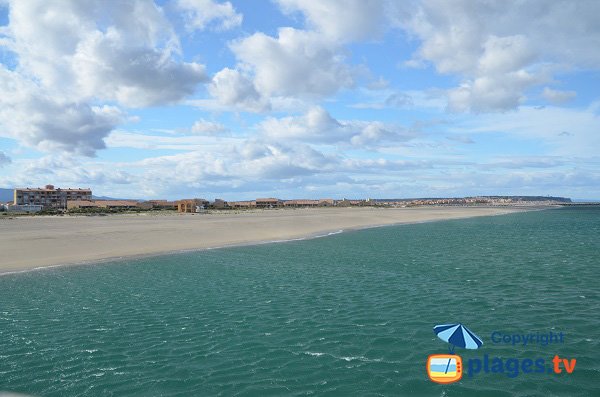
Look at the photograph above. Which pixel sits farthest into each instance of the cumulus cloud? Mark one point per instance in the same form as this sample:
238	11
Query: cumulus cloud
298	63
30	114
557	96
231	88
295	63
202	14
276	161
260	164
496	48
108	68
83	50
250	160
499	77
318	126
341	20
79	54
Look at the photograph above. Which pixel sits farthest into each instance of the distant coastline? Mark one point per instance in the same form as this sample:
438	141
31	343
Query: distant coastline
53	200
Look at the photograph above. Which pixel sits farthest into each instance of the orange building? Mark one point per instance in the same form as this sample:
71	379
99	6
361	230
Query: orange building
192	205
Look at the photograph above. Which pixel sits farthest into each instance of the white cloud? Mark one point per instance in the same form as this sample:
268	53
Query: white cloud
138	140
557	96
204	127
231	88
83	50
523	163
499	78
318	126
108	68
341	20
392	100
562	131
244	165
379	84
500	49
77	55
308	63
248	161
72	172
296	63
66	170
201	14
29	114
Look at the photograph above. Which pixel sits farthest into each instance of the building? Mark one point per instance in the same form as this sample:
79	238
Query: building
117	204
268	203
343	203
192	205
50	197
163	204
300	203
219	204
326	202
242	204
144	205
22	208
81	204
106	204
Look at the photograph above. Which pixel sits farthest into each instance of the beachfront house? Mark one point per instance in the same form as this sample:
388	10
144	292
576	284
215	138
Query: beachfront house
219	204
242	204
268	203
300	203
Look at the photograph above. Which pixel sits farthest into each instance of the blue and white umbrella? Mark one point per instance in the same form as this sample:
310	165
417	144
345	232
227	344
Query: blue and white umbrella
458	335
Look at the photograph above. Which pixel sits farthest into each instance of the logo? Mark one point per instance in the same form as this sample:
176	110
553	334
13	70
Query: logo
444	368
448	368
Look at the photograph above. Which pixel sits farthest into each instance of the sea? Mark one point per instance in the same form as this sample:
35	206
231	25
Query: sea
349	314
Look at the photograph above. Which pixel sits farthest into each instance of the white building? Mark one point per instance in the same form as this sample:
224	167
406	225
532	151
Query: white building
22	208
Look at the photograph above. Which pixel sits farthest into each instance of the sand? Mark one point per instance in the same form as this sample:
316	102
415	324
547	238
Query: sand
33	242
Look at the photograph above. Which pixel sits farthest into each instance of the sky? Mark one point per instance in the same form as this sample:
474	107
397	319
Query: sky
301	99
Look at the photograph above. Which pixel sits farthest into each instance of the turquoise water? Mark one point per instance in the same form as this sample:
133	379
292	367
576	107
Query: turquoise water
350	314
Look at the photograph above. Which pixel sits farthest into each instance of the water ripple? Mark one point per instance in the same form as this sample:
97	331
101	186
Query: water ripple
350	314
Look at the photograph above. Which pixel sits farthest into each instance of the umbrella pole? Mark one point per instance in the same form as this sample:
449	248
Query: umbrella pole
451	352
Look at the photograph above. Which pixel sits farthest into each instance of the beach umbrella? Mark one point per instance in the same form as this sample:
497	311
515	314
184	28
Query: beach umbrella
458	335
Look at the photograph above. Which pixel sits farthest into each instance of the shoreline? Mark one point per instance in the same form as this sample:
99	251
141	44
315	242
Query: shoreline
17	259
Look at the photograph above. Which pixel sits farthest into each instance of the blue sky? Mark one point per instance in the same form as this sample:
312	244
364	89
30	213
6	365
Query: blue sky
301	99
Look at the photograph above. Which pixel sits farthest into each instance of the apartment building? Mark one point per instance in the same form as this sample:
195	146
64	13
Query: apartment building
50	197
268	203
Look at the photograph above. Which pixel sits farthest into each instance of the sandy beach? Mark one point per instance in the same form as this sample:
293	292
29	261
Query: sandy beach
32	242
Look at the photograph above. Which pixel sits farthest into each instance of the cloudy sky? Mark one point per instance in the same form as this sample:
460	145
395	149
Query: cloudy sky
301	99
